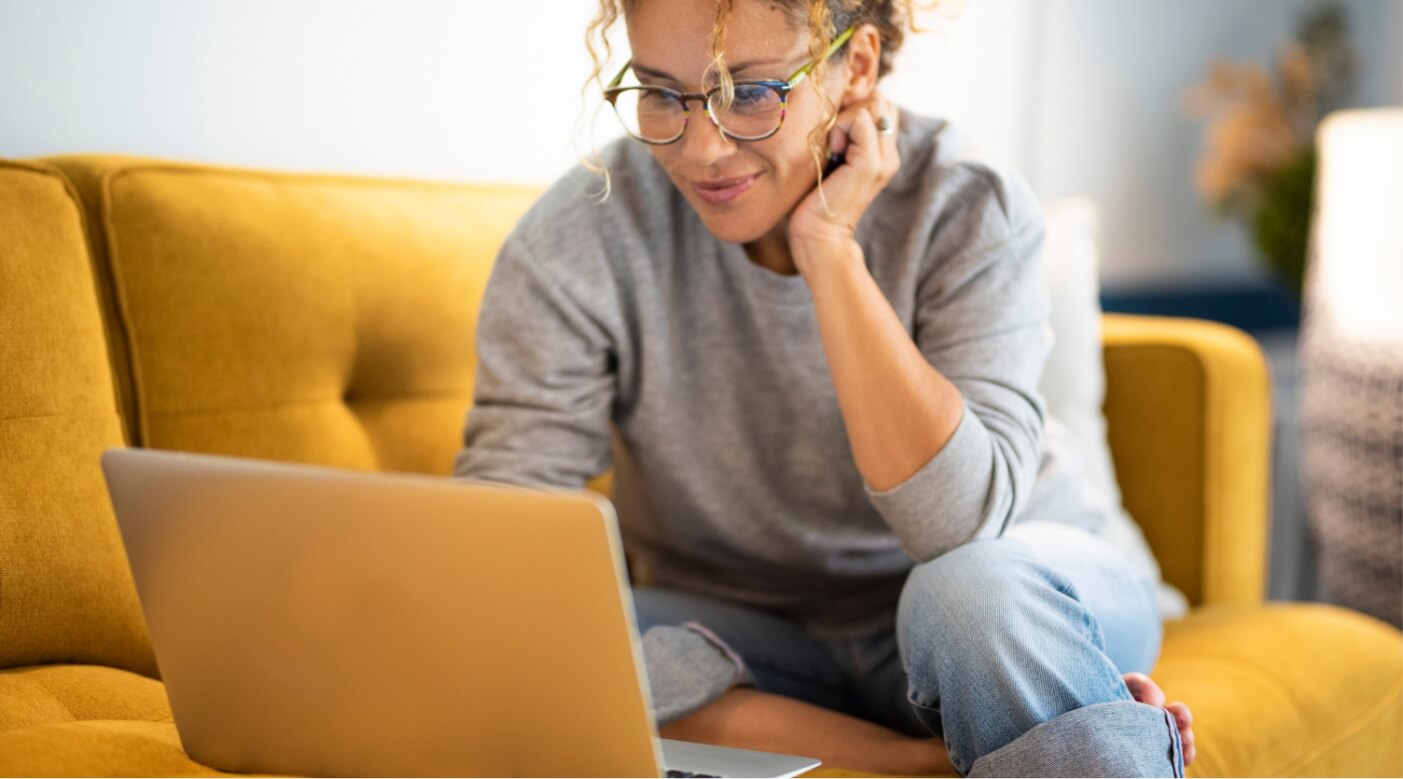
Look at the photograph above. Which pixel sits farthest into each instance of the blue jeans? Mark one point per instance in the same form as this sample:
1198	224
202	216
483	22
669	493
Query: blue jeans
1010	649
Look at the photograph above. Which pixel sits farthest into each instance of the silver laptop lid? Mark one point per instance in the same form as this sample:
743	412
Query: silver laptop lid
313	621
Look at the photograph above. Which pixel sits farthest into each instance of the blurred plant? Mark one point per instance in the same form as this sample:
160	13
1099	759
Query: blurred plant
1259	163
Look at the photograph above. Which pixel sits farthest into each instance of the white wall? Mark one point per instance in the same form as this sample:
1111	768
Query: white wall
979	68
1112	128
1082	94
436	88
411	87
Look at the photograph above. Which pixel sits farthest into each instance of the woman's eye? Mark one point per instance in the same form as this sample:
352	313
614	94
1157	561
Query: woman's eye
750	96
657	101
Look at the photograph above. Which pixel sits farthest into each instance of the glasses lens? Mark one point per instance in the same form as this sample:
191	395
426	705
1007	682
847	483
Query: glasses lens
649	114
755	112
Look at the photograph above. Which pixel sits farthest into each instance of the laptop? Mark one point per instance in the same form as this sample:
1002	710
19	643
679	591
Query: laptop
322	622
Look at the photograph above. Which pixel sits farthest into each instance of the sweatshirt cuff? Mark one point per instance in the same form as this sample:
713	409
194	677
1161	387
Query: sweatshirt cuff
948	502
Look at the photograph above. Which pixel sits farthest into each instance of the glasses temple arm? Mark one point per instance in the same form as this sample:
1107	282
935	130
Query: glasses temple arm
803	73
620	77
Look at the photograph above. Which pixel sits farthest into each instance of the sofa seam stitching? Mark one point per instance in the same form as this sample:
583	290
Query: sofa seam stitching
333	400
307	177
123	306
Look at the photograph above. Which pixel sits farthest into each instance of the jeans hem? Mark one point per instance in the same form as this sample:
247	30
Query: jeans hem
1122	738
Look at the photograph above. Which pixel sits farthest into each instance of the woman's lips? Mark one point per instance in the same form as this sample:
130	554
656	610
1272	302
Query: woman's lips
722	191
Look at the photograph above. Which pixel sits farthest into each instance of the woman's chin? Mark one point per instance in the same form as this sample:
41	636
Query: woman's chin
733	229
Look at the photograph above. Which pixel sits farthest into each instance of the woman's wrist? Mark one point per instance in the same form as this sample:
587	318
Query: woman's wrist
813	257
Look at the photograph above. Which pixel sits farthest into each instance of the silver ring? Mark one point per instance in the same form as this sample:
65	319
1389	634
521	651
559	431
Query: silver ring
885	126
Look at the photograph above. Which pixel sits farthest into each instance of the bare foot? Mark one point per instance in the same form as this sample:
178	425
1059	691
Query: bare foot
1144	689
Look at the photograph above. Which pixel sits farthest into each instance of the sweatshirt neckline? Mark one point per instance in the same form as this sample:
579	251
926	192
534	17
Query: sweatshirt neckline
763	282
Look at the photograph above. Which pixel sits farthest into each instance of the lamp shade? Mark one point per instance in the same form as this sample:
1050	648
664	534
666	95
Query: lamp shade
1352	363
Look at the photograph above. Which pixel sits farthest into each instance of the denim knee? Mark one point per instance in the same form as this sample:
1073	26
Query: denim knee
994	642
961	607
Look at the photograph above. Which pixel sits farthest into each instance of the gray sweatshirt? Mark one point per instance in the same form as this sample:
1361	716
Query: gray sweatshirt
625	334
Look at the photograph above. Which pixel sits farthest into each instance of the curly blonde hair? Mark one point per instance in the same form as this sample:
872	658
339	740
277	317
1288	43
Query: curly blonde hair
824	19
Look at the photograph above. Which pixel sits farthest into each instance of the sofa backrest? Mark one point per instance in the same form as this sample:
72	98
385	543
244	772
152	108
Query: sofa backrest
330	320
308	318
66	594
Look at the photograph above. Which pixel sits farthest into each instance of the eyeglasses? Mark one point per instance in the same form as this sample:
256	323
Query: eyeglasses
658	115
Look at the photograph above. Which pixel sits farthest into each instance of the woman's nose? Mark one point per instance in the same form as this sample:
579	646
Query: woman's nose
702	141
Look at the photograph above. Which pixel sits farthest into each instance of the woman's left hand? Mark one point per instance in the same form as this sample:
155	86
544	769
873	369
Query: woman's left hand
872	161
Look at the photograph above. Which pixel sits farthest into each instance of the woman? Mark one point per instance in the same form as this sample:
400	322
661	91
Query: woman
820	406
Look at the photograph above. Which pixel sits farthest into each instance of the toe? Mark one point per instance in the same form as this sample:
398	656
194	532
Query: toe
1186	733
1181	713
1143	688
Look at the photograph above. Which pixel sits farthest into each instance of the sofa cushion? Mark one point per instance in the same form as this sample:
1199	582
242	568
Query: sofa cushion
45	694
1288	690
1277	690
322	319
98	748
66	594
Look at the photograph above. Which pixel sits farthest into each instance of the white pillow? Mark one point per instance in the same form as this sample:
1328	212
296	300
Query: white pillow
1074	381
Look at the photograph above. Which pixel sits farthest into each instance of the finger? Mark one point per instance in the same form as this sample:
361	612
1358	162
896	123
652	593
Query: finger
891	156
839	138
887	108
845	126
864	149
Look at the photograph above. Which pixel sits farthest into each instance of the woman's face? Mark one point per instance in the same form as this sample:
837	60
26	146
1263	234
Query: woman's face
671	43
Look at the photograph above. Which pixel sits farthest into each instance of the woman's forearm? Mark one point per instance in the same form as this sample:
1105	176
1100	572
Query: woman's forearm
898	409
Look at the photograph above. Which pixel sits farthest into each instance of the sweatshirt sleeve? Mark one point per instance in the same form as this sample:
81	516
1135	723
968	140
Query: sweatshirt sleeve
981	319
544	384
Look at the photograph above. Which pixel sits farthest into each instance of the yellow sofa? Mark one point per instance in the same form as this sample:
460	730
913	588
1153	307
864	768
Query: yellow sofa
330	319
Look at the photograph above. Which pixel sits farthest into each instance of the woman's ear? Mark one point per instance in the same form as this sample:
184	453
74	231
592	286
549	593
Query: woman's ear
864	56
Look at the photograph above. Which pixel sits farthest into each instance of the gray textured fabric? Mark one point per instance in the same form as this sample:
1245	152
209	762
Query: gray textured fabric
624	333
1352	457
688	667
1104	739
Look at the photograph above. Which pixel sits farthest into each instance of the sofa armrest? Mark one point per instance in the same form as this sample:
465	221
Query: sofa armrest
1188	413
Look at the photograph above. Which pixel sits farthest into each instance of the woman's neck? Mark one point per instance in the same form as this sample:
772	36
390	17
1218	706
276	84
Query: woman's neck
771	250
